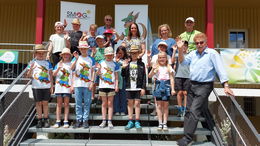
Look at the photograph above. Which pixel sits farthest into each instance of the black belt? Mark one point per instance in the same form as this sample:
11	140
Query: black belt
201	83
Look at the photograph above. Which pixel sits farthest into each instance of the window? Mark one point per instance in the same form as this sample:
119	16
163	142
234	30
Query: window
238	38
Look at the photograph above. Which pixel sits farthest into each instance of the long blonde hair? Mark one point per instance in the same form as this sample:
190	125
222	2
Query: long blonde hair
167	63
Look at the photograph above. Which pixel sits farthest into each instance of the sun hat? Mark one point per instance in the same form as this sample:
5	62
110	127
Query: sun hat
162	43
83	44
134	49
109	51
39	48
99	37
75	21
58	24
65	51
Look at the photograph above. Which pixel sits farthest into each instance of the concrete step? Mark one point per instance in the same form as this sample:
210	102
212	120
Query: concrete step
103	142
117	130
143	117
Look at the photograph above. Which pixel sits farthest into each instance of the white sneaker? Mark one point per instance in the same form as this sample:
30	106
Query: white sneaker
110	125
160	127
103	124
165	128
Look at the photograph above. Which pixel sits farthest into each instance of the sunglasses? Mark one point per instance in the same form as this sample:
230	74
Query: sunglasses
108	19
201	42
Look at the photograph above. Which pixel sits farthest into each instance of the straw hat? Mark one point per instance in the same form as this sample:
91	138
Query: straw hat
75	21
39	48
109	51
83	44
65	51
134	49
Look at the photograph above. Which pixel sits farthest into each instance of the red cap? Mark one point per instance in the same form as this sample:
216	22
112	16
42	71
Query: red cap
108	31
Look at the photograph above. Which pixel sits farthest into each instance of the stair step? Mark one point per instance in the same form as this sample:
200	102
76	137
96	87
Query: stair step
118	130
143	117
101	142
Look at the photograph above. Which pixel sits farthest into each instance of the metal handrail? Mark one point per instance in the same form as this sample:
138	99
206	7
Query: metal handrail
241	113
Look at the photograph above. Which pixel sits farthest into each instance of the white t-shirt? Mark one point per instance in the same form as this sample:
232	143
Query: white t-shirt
58	42
155	58
107	77
84	66
133	69
163	73
41	74
63	78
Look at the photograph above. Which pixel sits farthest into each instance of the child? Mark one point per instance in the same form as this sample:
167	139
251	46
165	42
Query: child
110	41
164	88
58	41
182	82
63	88
135	78
108	85
120	98
90	38
41	73
98	55
82	83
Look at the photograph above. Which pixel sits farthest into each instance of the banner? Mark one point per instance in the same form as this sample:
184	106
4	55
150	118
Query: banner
84	12
127	14
10	57
242	65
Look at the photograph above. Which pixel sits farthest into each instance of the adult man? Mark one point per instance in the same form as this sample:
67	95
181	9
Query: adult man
108	23
204	64
75	35
189	34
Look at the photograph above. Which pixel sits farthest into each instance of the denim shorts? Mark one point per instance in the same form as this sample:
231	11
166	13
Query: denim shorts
63	95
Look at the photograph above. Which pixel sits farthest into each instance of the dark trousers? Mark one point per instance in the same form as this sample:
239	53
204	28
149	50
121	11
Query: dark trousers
197	103
120	102
56	58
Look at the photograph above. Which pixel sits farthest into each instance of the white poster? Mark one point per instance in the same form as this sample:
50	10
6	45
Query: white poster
127	14
84	12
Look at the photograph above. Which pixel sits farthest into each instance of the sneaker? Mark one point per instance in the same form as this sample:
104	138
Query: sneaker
122	114
165	128
183	111
85	124
117	114
46	123
77	124
39	123
153	113
66	124
103	124
160	127
57	125
138	125
129	125
110	125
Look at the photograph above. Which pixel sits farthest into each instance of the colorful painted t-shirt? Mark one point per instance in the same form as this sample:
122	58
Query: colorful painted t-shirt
82	73
163	73
133	69
107	77
41	74
63	78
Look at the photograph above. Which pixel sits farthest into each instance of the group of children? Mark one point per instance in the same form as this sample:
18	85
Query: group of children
121	76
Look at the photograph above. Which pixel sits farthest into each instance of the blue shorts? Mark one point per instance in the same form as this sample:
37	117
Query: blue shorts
63	95
162	90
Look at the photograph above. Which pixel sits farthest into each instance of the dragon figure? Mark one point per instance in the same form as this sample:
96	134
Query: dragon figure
84	72
43	75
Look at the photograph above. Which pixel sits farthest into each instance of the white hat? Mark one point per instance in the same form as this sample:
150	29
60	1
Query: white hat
99	37
190	18
58	24
109	51
83	44
65	51
162	43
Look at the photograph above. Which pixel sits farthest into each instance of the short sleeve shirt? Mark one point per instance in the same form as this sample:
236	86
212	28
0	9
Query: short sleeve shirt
63	79
107	77
133	69
163	73
100	54
82	73
189	36
58	42
41	74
